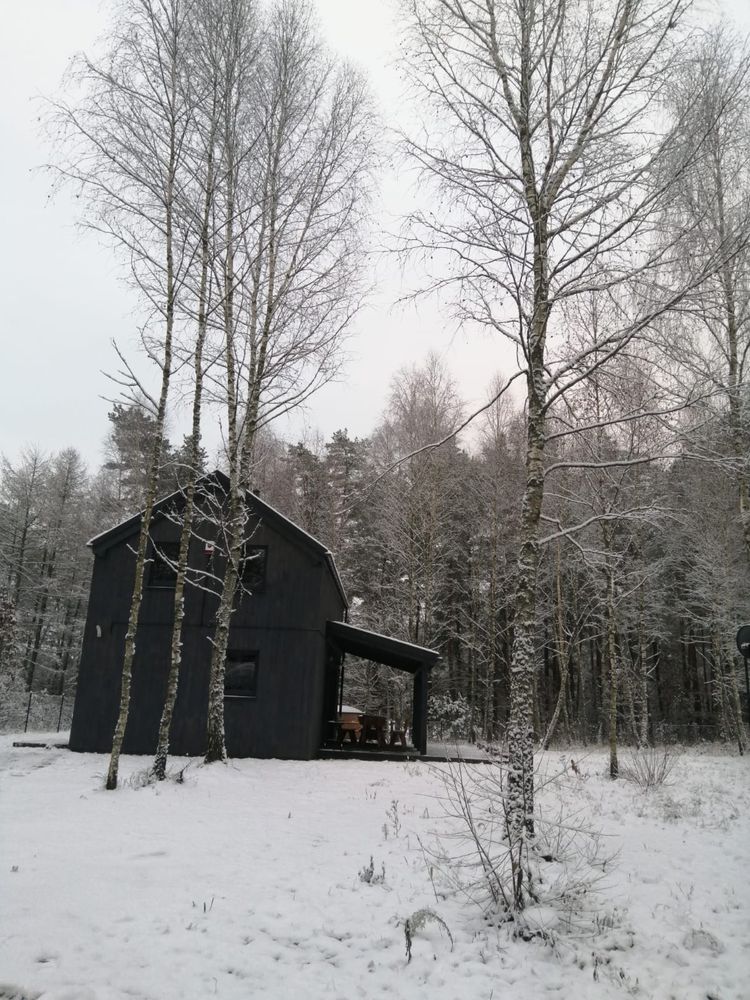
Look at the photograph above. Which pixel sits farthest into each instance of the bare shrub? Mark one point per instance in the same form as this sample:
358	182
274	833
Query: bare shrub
145	776
539	882
649	767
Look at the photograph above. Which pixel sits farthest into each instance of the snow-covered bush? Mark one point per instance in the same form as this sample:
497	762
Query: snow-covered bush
417	922
449	718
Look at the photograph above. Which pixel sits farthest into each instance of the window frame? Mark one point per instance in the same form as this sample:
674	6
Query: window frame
171	550
239	656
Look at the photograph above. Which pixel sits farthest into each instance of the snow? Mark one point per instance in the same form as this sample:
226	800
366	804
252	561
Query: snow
244	882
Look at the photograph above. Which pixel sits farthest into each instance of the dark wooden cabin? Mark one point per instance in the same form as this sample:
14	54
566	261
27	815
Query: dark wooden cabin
287	643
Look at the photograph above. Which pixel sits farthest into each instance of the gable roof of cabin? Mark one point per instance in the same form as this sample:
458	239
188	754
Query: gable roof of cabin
268	515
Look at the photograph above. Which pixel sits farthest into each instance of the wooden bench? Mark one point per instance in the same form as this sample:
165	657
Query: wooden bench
398	734
349	725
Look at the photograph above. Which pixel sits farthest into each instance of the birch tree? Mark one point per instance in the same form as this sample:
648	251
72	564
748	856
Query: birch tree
123	144
211	34
548	151
298	150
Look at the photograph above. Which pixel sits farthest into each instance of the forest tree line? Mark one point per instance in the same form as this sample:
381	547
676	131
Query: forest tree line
584	197
426	551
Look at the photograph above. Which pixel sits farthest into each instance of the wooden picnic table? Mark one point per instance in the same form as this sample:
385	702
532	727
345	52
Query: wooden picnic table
361	728
349	725
373	729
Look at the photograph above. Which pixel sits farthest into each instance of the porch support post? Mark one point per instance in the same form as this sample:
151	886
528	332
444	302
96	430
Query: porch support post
341	681
419	714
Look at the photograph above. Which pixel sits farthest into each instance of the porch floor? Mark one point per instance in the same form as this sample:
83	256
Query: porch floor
436	753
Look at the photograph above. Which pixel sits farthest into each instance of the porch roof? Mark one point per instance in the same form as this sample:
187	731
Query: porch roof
380	648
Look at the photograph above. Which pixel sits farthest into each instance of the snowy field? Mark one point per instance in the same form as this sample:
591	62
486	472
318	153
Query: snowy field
243	882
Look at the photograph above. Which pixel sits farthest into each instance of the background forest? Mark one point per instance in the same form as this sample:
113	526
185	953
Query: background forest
426	549
572	538
580	556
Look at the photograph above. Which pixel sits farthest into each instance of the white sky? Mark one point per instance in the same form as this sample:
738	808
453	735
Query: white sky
62	297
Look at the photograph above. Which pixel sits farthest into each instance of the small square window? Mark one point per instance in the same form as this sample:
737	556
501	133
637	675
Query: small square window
254	559
163	569
241	675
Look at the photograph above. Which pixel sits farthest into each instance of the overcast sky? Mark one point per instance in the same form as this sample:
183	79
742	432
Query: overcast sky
62	295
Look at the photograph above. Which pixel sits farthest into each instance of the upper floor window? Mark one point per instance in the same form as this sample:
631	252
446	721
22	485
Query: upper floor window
163	569
254	558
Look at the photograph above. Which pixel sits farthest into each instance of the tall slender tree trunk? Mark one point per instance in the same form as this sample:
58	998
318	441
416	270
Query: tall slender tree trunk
614	767
734	694
627	686
155	462
186	534
562	657
521	726
642	679
215	738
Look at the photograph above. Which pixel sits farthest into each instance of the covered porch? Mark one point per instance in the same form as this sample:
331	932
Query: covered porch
343	638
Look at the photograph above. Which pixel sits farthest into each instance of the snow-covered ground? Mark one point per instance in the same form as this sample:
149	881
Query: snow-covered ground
243	882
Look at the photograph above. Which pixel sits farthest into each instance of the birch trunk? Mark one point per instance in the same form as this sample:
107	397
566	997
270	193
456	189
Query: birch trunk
215	742
186	534
520	726
153	478
295	143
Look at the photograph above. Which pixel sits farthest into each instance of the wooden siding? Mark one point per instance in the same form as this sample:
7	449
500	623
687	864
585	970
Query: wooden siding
284	623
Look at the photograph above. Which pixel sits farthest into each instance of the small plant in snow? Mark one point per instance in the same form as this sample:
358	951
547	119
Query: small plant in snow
369	876
649	767
417	921
394	818
206	907
140	779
